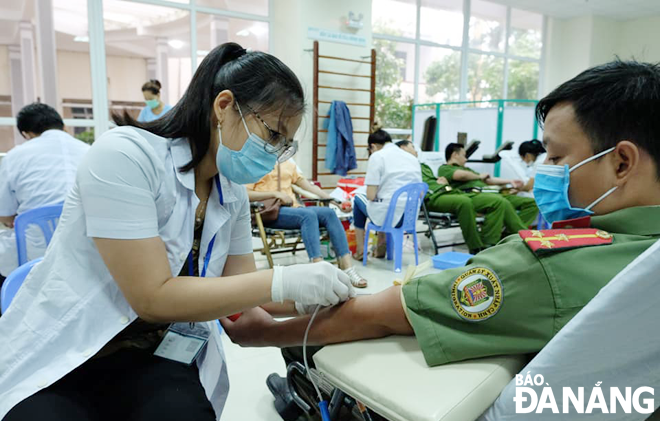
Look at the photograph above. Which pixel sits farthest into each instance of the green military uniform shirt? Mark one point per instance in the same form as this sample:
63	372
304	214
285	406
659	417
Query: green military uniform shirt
435	189
448	171
511	300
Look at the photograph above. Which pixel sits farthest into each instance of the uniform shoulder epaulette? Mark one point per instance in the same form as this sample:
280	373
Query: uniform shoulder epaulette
562	239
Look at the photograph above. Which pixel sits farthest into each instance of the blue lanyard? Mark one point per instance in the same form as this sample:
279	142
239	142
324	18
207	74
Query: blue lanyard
209	250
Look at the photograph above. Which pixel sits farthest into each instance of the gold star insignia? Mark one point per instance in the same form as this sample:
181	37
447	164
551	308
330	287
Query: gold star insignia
603	234
547	244
562	237
536	233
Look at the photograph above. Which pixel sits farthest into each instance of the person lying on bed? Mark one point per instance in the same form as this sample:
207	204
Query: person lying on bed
601	134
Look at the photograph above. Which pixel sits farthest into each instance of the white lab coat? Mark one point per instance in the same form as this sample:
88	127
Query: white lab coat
128	186
390	169
522	169
37	173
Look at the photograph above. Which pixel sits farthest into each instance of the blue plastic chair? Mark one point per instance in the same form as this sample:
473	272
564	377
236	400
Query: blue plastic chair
13	283
45	217
415	193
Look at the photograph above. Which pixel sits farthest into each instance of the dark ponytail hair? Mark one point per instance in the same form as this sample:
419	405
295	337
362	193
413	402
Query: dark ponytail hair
152	86
258	80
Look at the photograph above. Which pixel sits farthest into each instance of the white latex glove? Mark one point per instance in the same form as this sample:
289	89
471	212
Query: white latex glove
303	309
312	283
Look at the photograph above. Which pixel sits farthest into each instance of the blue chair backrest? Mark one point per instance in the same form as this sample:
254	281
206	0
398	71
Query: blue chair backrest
414	194
13	283
45	217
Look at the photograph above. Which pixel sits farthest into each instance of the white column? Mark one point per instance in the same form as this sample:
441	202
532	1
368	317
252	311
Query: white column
26	42
162	52
219	31
16	81
98	68
46	50
151	68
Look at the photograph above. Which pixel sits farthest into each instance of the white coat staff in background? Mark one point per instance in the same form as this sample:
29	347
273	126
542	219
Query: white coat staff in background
36	173
154	244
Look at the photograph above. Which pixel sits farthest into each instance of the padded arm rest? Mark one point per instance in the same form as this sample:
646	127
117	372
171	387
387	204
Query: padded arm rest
390	376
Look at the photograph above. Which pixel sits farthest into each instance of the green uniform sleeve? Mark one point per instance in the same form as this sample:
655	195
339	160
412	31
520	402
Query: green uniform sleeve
447	171
500	303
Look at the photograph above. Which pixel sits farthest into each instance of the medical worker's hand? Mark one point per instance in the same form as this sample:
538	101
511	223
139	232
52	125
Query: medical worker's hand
313	283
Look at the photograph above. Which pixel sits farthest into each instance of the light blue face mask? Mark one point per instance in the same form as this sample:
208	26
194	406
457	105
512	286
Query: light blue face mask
551	191
152	103
247	165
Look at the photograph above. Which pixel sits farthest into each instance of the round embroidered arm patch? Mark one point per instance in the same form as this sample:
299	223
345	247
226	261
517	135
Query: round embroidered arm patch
476	294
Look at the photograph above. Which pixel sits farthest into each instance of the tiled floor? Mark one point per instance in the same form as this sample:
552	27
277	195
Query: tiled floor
249	399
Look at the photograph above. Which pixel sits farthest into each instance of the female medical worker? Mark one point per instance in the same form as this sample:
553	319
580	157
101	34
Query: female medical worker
153	242
155	108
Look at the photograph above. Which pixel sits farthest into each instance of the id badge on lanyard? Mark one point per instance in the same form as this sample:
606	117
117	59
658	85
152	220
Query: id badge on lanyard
183	342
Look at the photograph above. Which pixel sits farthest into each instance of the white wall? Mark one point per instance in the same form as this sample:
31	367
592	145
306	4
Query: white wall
573	45
291	19
639	39
567	50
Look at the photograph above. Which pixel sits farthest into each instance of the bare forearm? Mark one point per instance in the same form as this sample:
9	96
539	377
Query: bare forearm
495	181
194	299
255	196
285	309
462	175
364	317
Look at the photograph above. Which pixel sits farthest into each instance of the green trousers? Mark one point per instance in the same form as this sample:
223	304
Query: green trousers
498	211
525	207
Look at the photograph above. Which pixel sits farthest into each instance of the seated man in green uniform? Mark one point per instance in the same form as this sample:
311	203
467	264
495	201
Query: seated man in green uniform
441	197
471	182
601	135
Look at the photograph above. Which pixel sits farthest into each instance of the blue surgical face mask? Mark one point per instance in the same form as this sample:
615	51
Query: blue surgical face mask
551	191
247	165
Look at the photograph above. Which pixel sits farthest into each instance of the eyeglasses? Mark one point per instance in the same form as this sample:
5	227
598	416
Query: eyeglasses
277	143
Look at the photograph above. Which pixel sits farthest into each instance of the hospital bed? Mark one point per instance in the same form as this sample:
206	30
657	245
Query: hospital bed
390	375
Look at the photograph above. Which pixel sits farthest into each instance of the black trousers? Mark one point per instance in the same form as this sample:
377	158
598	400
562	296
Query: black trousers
128	385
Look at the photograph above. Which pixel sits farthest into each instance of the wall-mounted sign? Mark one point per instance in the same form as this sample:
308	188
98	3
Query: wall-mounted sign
335	36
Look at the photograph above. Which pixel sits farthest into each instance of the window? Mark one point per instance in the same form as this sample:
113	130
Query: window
487	26
143	40
440	76
394	82
492	53
525	38
395	17
523	79
485	77
441	21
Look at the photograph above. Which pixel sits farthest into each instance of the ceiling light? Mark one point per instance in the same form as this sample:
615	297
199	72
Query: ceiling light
176	44
81	38
243	33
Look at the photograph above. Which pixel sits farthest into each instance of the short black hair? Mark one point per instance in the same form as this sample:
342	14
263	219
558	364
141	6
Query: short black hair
534	146
152	85
451	148
37	118
380	137
402	143
613	102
